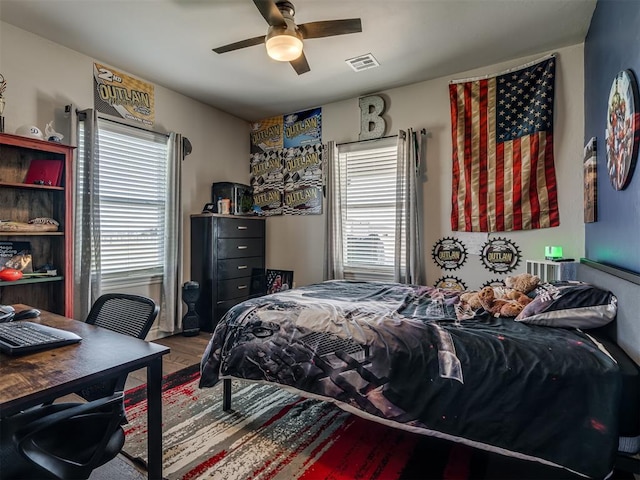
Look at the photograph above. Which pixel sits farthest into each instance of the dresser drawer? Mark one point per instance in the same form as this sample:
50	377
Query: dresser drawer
240	228
240	267
240	288
240	247
223	307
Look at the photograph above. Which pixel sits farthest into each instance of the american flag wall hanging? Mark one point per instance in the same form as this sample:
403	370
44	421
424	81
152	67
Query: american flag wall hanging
503	170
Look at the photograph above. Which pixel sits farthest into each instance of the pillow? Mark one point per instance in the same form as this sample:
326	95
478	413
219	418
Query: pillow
570	305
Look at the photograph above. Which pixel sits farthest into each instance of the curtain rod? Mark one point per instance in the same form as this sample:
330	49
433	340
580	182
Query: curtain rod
122	121
367	140
423	131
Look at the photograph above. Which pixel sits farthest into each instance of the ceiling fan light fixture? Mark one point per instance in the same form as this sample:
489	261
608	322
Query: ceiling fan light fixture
283	44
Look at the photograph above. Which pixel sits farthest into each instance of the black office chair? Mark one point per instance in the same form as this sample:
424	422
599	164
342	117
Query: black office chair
62	440
123	313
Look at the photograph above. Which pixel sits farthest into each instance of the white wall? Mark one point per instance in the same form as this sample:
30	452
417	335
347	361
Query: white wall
42	76
297	243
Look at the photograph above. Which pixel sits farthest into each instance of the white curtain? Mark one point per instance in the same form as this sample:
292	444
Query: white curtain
409	262
87	216
333	264
170	319
408	255
87	265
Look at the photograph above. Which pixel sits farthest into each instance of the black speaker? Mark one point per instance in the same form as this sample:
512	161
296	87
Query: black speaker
191	320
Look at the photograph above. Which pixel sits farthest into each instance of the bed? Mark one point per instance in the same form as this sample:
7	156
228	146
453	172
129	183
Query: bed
402	355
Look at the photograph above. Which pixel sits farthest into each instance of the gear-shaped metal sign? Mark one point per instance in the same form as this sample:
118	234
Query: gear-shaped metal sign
500	255
449	253
451	283
496	282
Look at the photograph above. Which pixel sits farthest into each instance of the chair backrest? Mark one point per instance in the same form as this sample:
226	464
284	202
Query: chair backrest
124	313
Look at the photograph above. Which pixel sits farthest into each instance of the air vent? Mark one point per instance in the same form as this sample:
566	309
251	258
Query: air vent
362	62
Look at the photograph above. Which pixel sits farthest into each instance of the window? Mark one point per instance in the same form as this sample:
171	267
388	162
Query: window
132	189
369	206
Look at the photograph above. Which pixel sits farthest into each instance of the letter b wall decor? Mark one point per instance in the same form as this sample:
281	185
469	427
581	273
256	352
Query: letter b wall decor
372	125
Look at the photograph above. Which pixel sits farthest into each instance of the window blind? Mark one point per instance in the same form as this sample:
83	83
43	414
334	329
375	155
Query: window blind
369	208
133	172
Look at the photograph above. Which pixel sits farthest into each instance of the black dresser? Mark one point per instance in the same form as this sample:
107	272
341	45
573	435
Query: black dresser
227	260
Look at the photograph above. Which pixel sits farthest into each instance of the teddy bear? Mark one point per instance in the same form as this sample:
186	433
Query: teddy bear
525	282
472	299
502	307
507	301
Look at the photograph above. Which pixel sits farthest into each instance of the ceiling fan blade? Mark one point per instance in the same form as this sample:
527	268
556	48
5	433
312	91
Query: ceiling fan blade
249	42
270	12
329	28
300	64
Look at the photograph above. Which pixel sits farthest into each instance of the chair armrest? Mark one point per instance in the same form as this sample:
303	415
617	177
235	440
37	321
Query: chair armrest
32	428
68	464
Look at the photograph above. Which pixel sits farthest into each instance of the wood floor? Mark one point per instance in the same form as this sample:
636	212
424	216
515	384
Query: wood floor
185	351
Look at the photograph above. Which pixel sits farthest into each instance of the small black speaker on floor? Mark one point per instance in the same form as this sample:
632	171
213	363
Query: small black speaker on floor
191	320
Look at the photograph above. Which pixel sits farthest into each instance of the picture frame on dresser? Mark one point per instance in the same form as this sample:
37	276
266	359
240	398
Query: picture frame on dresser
279	280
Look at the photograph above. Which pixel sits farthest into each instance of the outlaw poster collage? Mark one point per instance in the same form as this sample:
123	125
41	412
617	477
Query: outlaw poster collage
286	164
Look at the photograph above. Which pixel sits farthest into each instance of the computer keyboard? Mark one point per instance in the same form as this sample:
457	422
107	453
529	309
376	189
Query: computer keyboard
25	337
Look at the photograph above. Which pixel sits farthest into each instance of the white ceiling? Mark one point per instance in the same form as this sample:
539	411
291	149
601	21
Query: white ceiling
169	42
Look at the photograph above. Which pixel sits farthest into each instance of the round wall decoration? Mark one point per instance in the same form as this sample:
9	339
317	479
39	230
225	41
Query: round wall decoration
449	253
500	255
496	282
451	283
623	129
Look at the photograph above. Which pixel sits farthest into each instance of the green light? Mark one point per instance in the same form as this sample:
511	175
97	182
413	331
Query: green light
552	252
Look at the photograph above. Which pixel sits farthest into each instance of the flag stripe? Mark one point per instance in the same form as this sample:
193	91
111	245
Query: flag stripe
494	201
474	179
500	197
467	212
508	185
455	138
550	177
517	184
525	149
542	180
503	166
483	189
534	152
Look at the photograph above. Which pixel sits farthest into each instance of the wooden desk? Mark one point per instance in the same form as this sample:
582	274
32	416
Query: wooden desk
29	380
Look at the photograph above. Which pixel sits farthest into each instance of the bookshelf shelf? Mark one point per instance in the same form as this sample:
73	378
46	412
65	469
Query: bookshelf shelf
30	234
30	186
31	280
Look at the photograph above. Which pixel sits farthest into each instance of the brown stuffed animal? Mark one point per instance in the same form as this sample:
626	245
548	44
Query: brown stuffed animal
525	282
518	297
489	301
511	309
472	299
499	307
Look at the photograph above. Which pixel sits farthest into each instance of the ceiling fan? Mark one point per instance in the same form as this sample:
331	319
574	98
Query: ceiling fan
284	38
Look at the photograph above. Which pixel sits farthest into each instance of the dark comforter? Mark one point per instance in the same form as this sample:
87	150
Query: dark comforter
398	354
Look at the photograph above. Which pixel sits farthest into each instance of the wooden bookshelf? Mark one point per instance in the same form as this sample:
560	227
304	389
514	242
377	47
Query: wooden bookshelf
21	202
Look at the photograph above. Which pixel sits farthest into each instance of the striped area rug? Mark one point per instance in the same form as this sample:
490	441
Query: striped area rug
272	434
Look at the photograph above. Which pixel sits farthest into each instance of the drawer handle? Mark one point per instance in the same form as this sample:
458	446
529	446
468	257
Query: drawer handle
242	227
242	267
242	247
241	287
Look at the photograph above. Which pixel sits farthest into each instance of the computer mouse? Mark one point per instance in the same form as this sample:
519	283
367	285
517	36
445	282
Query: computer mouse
29	313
